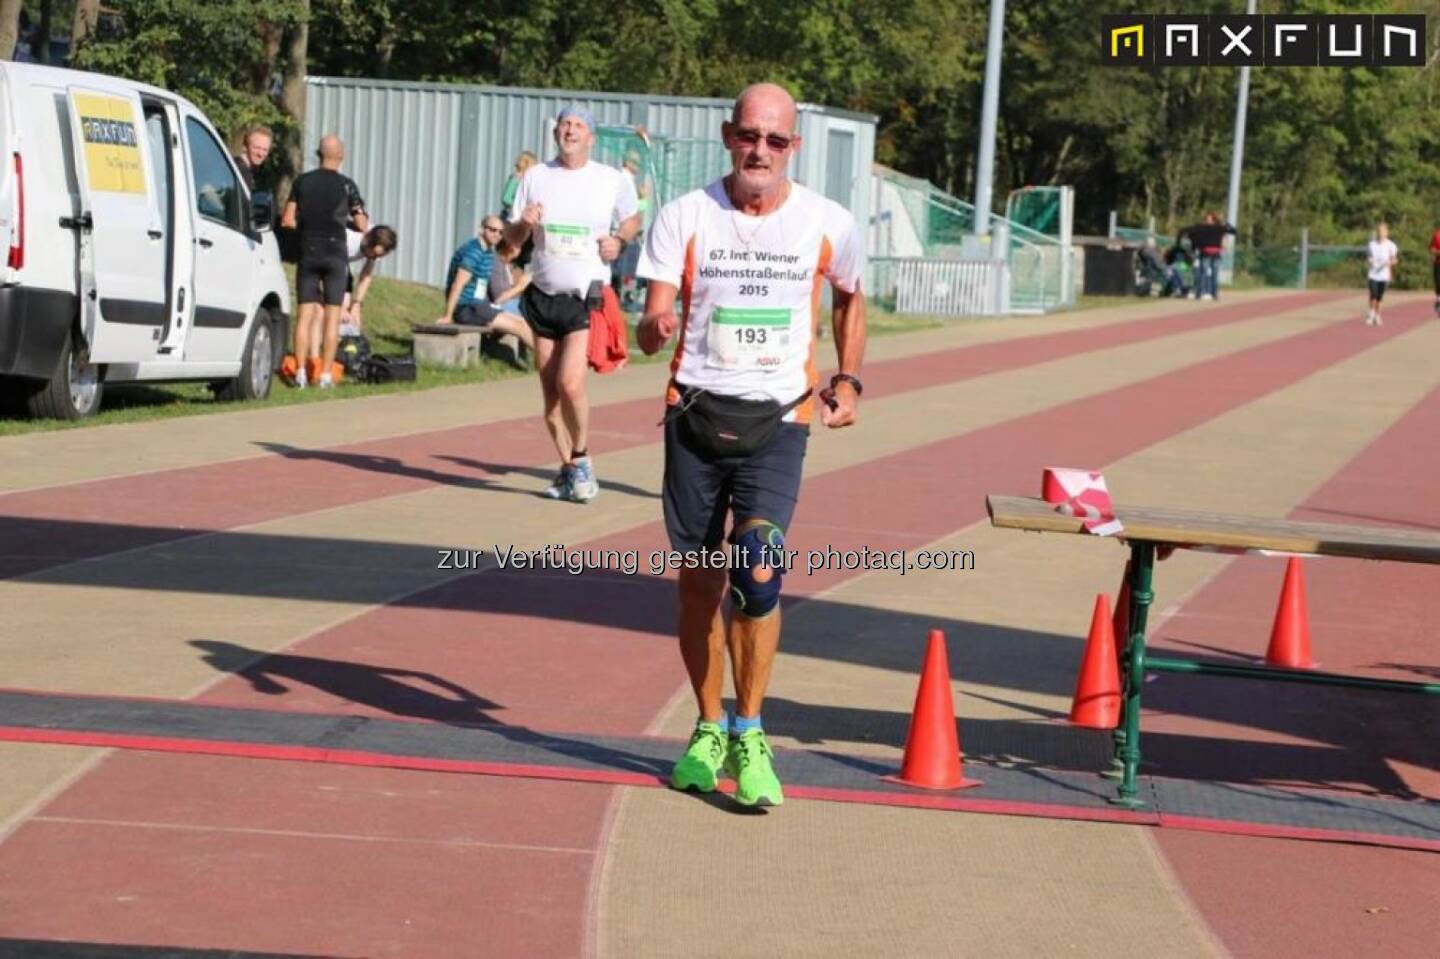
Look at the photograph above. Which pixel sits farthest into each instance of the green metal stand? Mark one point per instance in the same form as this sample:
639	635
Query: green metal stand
1135	663
1127	734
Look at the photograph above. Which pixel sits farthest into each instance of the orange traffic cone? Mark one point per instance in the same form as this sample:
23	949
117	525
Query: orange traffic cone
932	749
1097	689
1122	617
1290	637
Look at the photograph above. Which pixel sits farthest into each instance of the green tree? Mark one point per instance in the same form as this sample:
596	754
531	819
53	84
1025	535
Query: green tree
221	54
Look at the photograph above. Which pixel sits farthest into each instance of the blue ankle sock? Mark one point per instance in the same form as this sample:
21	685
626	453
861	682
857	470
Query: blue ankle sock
743	724
723	722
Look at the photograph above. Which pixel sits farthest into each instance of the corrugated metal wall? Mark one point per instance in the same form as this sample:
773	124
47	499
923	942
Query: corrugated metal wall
403	148
431	159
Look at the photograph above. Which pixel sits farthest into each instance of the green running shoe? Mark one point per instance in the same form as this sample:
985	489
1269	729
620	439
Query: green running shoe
748	762
699	768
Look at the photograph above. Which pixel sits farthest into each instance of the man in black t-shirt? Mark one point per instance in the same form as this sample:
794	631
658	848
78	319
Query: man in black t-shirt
323	203
1208	236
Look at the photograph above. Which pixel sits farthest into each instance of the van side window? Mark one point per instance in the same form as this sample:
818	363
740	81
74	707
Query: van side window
217	188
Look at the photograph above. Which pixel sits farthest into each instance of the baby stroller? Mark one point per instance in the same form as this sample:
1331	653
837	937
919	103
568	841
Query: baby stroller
1157	275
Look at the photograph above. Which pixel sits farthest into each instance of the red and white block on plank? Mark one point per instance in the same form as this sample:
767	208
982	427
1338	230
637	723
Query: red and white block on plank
1082	494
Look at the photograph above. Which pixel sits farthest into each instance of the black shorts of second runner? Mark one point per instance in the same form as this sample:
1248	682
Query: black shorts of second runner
1377	289
699	491
553	317
1437	277
321	275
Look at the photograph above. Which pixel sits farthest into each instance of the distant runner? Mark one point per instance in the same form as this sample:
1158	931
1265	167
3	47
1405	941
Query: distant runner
571	206
1381	255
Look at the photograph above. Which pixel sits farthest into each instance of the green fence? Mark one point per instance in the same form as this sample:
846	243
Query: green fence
943	226
666	167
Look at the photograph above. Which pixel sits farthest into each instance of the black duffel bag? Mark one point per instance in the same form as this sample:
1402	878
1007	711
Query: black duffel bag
716	425
352	353
390	368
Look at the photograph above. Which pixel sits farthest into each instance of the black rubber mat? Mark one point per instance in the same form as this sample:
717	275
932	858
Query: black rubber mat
502	750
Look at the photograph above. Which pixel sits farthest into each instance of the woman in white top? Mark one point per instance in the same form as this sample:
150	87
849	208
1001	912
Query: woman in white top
371	246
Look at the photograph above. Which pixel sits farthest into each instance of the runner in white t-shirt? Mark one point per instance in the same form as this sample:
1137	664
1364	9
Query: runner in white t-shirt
571	206
745	257
1381	255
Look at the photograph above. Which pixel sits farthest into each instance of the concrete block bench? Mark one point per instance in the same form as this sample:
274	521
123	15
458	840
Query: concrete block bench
447	344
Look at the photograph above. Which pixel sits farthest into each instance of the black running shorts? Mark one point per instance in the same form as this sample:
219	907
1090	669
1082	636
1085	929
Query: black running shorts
553	317
323	271
699	491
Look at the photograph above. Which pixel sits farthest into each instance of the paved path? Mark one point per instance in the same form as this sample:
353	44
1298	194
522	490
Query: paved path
286	560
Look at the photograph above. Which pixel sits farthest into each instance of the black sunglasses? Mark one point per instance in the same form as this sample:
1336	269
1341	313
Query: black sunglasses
775	141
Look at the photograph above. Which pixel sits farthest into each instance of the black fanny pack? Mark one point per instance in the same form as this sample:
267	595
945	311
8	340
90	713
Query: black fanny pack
717	425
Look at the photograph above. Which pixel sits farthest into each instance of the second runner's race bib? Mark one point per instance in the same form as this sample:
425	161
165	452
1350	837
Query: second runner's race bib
748	338
572	242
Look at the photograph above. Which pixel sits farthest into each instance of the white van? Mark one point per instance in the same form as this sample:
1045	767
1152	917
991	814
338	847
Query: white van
135	252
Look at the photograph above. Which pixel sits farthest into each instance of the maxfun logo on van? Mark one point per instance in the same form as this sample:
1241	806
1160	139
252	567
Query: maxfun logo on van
112	152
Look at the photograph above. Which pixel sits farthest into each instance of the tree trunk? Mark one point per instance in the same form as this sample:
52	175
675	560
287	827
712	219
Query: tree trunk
9	27
292	101
271	34
385	51
44	30
87	14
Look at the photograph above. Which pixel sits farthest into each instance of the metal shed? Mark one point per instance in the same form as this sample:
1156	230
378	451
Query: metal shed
432	158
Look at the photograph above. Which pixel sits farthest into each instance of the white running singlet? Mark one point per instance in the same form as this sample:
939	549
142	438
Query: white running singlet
749	299
581	207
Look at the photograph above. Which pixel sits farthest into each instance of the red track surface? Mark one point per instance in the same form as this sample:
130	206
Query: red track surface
559	652
1368	619
133	511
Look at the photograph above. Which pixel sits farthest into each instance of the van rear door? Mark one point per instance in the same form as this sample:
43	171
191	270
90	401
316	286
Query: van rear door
122	235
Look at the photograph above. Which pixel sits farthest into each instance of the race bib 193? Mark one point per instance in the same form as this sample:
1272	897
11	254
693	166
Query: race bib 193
748	338
567	240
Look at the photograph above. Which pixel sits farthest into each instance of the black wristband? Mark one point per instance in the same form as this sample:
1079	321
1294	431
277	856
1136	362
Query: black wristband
847	378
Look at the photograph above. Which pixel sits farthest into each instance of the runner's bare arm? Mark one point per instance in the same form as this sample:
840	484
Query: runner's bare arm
287	216
610	245
517	289
659	322
629	227
518	232
848	321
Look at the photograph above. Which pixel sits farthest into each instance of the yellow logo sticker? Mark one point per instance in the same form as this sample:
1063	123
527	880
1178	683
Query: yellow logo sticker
112	145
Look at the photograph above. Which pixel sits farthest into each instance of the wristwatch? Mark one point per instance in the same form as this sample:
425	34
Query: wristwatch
847	378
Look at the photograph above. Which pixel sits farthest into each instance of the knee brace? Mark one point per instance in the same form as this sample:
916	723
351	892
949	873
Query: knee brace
759	561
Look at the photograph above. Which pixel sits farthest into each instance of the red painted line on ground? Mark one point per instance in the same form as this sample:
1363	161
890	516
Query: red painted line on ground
109	515
1270	831
318	754
966	802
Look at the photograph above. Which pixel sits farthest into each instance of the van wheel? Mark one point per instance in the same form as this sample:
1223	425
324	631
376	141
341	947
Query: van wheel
257	367
74	390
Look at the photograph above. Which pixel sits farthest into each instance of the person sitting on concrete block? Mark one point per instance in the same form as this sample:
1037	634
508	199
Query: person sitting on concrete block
467	282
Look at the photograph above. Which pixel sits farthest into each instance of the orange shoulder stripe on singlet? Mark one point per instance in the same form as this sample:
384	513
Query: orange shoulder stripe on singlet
687	290
805	410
